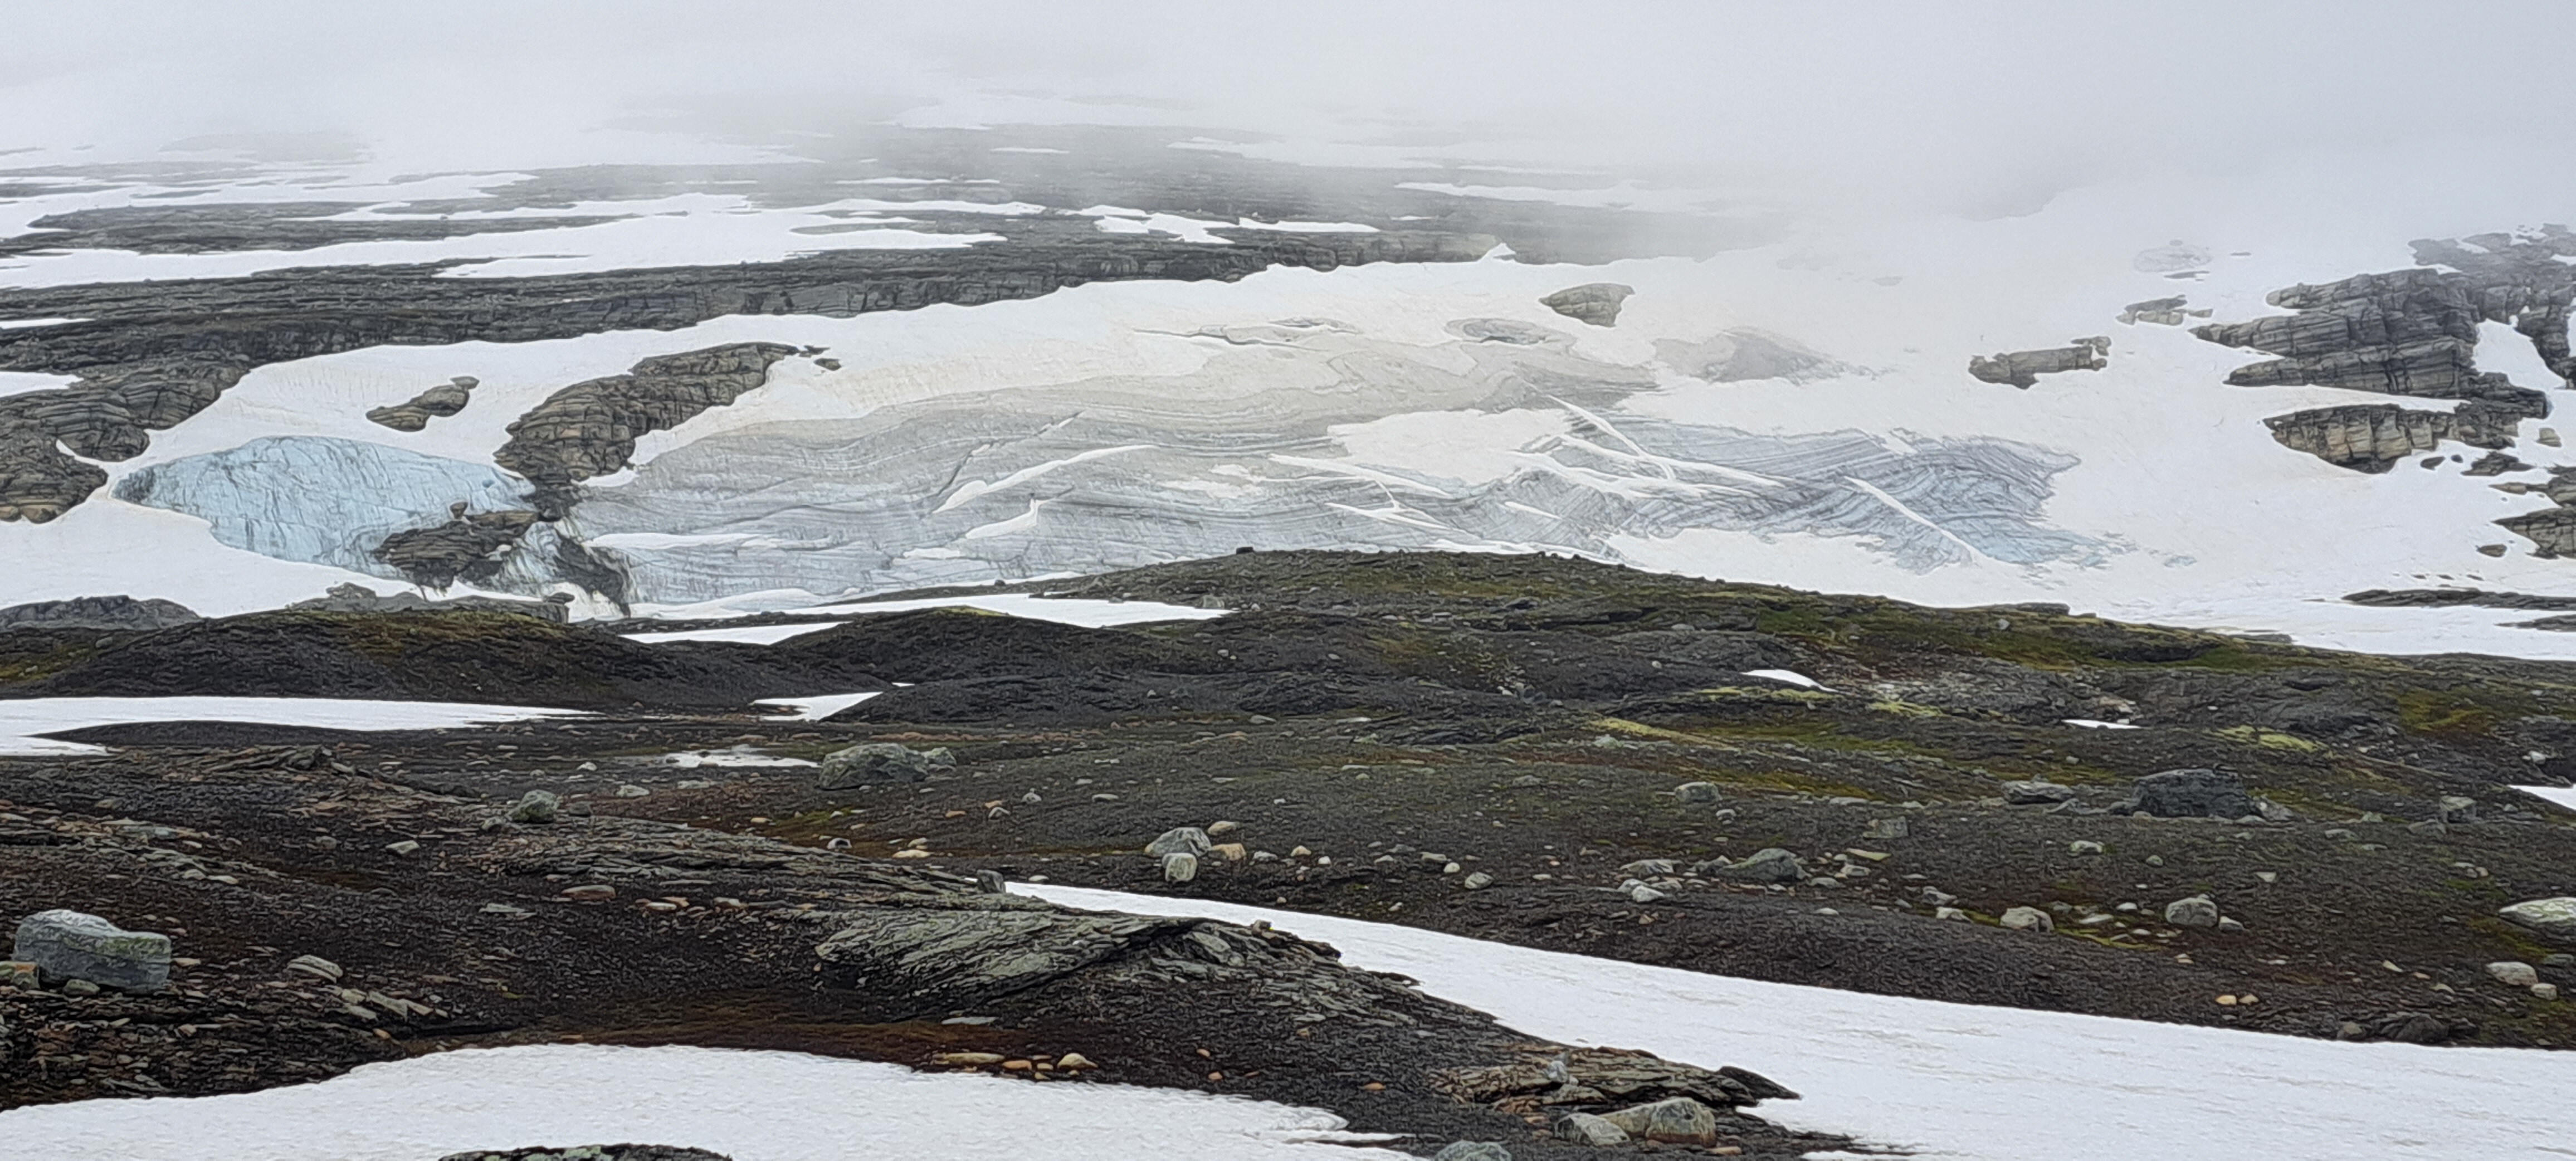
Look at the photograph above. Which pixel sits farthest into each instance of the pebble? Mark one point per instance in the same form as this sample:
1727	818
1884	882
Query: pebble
1696	792
79	987
2193	911
1222	827
1180	867
1587	1129
2084	847
1950	913
404	847
2544	991
1477	881
631	790
1074	1060
590	893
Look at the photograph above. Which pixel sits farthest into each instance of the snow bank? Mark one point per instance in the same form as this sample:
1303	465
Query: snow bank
1092	614
20	721
1993	1084
753	1106
815	709
742	634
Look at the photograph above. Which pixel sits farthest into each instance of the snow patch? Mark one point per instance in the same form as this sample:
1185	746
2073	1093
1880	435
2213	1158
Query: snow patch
21	721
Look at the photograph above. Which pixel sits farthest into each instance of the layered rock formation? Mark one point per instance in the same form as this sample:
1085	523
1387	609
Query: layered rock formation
468	547
2373	437
438	402
117	613
589	429
361	599
2023	368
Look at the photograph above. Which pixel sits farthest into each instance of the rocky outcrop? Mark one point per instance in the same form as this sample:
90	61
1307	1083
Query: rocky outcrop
348	598
590	1153
1596	303
468	547
117	612
2373	437
2443	598
2023	368
589	429
873	762
438	402
2190	794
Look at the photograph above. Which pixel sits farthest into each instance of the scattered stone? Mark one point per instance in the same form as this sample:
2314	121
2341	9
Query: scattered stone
871	762
536	806
1696	793
2228	925
592	1153
2194	911
404	847
1648	868
1768	865
20	974
1222	827
1587	1129
79	987
1937	897
1675	1120
2084	847
2513	973
1180	867
1952	913
1641	893
1477	881
2028	919
2559	959
2544	991
631	790
1473	1151
590	893
2036	792
1185	840
75	945
991	883
2455	810
1888	828
2190	794
2555	918
316	967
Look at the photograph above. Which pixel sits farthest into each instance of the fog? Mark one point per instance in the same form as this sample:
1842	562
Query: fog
1975	108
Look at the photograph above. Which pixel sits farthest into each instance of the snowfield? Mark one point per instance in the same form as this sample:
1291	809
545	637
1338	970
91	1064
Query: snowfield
1989	1084
21	721
752	1106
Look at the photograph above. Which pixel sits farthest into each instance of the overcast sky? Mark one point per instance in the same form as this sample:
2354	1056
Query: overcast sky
1958	101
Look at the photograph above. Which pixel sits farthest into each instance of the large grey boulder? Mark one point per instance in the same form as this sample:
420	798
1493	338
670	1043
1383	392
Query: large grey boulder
1587	1129
1678	1120
2190	794
71	945
1593	302
1180	840
537	806
871	762
2555	918
2195	911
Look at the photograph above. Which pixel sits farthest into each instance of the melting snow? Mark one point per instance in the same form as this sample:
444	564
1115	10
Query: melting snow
21	720
1993	1084
815	709
1790	677
744	634
752	1106
2091	724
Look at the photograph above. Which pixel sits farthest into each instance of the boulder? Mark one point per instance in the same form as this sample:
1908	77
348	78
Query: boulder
1677	1120
2028	919
536	806
2514	973
71	945
1768	865
2195	911
2554	918
1696	793
2190	794
2036	792
1183	840
870	762
1180	867
2455	809
1587	1129
1888	828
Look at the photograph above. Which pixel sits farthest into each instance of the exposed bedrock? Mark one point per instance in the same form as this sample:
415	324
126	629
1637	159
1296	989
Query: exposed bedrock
347	598
233	226
468	547
2372	437
117	612
438	402
2023	368
152	354
2170	311
589	429
1593	302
